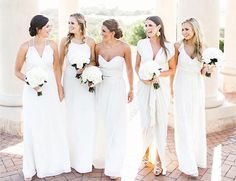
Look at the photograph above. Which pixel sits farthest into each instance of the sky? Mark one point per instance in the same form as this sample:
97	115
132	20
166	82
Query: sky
122	4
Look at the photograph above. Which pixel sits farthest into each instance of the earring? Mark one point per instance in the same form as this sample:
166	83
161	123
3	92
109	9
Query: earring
158	30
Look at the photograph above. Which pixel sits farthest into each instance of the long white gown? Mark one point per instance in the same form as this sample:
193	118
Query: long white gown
111	102
189	114
154	104
80	111
45	143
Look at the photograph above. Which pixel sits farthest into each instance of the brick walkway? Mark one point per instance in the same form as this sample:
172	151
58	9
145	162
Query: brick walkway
11	162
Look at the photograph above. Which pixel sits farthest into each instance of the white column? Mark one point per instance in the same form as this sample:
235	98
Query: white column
207	13
15	18
65	9
166	10
229	68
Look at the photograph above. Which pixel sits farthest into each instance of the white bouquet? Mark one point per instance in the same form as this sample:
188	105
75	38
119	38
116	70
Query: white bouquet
91	75
79	63
212	57
149	71
36	77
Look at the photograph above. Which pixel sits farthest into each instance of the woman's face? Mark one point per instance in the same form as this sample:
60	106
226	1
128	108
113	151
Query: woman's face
151	28
73	25
187	31
44	32
106	33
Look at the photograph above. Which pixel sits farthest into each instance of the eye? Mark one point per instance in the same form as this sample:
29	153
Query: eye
103	31
186	29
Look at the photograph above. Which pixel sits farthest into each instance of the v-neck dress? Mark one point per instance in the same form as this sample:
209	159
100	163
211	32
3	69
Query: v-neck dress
189	114
154	104
45	143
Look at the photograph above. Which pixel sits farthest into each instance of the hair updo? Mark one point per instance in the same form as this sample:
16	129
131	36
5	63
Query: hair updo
112	25
37	23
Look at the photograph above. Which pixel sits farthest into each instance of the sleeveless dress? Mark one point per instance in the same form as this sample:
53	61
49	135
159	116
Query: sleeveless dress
111	102
80	112
153	104
189	114
45	143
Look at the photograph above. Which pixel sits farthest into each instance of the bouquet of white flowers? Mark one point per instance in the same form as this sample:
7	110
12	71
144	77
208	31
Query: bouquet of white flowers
36	77
149	71
91	75
79	63
211	57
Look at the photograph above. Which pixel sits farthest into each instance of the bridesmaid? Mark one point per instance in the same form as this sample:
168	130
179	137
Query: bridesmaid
155	48
45	144
80	103
189	100
111	55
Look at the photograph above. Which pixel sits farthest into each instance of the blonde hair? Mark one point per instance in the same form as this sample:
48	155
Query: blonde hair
82	23
197	37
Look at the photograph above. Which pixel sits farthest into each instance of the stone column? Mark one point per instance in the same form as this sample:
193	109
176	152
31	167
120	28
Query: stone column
65	9
166	9
207	13
229	69
15	17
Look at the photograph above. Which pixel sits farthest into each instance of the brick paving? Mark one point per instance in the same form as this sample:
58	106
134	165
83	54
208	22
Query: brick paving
11	162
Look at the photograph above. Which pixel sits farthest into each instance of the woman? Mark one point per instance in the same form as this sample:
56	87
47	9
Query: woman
153	104
189	100
79	101
111	98
45	145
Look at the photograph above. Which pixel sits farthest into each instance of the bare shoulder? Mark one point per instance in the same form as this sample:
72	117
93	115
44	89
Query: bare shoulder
125	45
177	45
53	44
63	40
24	46
90	41
99	46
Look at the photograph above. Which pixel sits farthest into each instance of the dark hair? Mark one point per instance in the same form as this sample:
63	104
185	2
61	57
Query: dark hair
157	20
37	23
113	25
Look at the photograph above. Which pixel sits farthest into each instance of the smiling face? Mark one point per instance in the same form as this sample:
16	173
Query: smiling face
73	25
106	33
187	31
151	28
44	32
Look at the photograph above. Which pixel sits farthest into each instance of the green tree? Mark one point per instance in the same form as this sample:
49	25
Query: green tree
137	32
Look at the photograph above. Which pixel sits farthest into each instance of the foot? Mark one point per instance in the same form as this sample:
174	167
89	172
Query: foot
194	175
145	161
27	178
157	170
113	177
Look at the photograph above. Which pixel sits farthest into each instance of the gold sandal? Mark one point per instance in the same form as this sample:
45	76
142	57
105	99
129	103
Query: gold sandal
157	170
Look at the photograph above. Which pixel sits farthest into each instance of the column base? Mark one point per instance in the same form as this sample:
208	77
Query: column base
11	120
10	100
217	119
228	81
215	101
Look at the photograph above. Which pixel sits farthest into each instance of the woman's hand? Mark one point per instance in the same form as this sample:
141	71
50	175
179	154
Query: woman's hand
130	96
147	82
61	93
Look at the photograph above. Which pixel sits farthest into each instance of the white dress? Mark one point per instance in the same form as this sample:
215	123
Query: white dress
45	143
111	102
189	109
154	104
80	109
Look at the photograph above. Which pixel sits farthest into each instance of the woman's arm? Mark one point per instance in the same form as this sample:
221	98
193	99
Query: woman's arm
129	70
57	69
62	53
91	44
20	59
